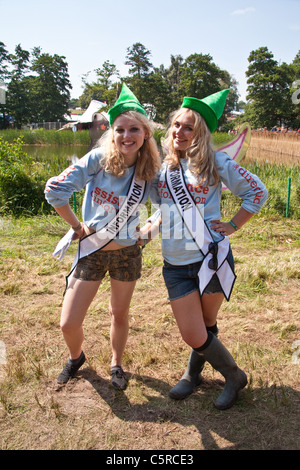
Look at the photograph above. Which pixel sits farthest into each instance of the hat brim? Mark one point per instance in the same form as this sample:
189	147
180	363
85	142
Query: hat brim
123	108
204	110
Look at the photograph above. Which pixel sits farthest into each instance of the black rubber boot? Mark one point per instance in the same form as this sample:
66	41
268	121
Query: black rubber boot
190	379
192	375
222	361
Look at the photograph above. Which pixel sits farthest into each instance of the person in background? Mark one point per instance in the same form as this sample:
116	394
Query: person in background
118	171
198	263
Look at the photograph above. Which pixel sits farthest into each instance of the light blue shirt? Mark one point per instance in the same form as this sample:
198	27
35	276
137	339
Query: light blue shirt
103	196
178	248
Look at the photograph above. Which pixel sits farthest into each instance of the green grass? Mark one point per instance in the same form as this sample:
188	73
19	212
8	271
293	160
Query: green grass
47	137
259	326
275	178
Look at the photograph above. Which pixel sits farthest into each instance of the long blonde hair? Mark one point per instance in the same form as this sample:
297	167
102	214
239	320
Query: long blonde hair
200	154
148	161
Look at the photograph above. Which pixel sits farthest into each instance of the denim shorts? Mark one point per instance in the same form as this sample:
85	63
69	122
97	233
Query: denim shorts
183	280
124	264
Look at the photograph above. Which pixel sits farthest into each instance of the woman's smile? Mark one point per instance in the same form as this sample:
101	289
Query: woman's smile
129	136
183	131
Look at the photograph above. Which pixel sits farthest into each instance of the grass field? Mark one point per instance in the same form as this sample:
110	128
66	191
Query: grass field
260	326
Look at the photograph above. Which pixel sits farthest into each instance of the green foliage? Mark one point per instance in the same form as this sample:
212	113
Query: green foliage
38	86
21	188
275	177
270	91
45	137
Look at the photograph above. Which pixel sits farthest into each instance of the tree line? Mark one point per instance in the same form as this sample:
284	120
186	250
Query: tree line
38	85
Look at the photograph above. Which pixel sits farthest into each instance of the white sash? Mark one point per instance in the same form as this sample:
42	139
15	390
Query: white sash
97	240
201	234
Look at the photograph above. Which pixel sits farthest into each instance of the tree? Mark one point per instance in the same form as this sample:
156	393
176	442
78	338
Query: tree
103	89
19	88
200	76
157	92
4	76
140	67
50	87
173	77
261	89
269	90
138	58
39	86
295	90
4	60
105	73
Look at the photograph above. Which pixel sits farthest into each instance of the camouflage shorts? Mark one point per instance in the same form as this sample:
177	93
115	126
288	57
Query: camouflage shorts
123	265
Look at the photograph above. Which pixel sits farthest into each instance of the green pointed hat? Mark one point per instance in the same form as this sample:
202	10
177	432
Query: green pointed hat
126	102
210	108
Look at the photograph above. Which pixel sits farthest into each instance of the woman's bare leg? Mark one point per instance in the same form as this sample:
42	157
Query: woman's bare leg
77	300
121	294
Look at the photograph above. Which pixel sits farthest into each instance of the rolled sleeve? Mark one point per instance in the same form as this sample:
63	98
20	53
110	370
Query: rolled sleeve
242	183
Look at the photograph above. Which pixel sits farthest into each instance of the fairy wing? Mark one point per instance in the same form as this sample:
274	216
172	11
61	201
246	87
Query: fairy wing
237	148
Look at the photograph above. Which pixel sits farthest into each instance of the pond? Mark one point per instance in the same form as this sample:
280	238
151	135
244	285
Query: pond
66	153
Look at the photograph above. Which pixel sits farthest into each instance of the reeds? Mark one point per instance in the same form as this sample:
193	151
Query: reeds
275	147
45	137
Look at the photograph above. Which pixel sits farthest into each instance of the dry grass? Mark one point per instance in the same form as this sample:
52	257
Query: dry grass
275	147
260	326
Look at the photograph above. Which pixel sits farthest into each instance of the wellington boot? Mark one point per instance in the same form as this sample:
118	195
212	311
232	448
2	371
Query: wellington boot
222	361
190	379
192	375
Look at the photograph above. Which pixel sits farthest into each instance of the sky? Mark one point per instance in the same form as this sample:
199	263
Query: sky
87	34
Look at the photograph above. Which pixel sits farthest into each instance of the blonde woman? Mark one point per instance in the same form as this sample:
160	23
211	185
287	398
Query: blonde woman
116	177
198	263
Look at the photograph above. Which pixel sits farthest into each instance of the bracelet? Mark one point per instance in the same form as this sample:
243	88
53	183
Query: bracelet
233	225
146	240
77	228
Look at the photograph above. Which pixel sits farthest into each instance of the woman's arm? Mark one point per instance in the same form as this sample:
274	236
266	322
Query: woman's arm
70	218
149	231
238	220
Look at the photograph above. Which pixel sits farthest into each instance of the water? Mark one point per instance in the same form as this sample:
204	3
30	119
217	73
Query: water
67	153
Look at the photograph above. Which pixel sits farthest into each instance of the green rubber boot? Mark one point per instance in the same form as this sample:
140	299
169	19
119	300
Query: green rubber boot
222	361
190	379
192	375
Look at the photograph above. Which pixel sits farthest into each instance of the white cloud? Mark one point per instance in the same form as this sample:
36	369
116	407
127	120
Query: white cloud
244	11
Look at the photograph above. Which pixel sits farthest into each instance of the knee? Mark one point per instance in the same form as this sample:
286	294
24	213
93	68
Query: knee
193	338
118	315
67	326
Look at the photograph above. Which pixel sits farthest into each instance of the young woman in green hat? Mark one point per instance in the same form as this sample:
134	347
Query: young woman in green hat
116	177
198	264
